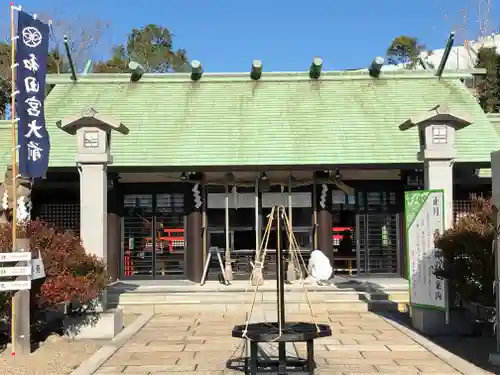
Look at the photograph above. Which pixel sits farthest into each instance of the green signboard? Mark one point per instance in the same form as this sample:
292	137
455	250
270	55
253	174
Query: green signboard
424	218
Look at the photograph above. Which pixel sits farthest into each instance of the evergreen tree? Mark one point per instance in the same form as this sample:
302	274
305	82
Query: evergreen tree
404	50
488	89
151	46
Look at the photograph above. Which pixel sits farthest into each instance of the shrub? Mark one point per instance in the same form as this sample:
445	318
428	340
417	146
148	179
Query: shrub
72	275
469	258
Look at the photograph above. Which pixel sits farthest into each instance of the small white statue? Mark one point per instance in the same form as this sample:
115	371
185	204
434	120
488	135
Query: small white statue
319	267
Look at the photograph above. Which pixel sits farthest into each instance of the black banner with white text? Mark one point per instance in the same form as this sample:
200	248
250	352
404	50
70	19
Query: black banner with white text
31	59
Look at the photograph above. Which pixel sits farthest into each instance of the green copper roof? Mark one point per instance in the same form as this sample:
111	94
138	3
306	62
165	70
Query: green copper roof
5	146
495	120
283	119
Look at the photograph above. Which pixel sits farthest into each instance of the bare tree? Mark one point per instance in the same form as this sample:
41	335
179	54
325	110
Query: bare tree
84	35
483	16
471	19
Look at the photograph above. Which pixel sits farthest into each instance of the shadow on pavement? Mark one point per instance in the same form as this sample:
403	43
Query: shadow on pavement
474	347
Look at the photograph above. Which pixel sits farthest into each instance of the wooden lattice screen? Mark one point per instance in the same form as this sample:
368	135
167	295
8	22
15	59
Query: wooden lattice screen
61	215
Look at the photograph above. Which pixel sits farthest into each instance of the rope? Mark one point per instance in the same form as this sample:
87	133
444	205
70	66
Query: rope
276	210
251	183
259	259
297	262
280	269
259	264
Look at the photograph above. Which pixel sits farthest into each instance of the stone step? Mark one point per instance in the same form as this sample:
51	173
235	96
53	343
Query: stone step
388	306
396	296
239	296
337	307
261	297
230	297
223	301
165	308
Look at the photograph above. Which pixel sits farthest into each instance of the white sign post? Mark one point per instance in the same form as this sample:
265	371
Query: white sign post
18	270
424	213
9	286
15	257
33	269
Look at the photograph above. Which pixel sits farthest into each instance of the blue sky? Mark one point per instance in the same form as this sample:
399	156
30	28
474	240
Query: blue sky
227	35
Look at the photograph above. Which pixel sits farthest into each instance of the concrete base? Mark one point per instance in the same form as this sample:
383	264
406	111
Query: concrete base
494	359
100	325
433	322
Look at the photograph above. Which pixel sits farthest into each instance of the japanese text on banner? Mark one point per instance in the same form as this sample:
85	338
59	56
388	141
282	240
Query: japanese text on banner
31	59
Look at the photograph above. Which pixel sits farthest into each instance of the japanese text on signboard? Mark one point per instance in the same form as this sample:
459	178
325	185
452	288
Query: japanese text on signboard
425	223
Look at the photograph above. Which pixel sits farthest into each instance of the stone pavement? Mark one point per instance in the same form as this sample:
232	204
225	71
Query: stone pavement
191	343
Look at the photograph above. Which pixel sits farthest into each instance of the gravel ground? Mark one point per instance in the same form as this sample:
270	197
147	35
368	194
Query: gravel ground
55	356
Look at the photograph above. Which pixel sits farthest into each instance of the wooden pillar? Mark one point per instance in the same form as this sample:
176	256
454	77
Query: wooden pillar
315	214
323	205
194	201
115	195
115	211
258	215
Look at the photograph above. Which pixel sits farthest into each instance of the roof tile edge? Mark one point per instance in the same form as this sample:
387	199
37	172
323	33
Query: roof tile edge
4	124
240	77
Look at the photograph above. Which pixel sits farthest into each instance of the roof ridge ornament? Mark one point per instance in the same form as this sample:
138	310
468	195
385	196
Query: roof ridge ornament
88	112
256	71
196	70
70	59
376	67
316	67
446	54
137	71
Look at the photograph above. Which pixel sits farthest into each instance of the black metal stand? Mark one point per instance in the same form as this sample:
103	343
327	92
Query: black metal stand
281	332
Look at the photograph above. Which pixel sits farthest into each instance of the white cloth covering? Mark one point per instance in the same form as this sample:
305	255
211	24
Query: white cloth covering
319	266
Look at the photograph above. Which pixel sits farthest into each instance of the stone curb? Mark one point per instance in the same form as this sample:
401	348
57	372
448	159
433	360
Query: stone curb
459	364
92	364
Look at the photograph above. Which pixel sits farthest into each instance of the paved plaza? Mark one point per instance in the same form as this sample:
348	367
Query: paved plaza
193	343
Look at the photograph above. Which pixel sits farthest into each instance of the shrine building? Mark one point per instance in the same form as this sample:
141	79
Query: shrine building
156	171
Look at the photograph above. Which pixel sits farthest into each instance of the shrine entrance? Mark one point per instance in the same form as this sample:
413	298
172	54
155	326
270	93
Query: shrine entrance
153	236
233	227
237	213
367	230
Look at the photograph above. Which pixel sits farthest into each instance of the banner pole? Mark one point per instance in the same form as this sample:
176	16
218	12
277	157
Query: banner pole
14	163
20	320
